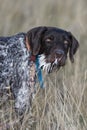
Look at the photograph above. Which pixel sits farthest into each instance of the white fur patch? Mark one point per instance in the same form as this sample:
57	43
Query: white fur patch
23	97
42	61
48	67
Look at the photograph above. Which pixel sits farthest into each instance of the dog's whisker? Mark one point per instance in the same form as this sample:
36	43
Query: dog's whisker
48	67
56	61
42	61
43	64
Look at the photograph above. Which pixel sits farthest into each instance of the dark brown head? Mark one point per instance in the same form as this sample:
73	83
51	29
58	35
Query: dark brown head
53	45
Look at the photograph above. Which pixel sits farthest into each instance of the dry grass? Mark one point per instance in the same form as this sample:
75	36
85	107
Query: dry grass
62	105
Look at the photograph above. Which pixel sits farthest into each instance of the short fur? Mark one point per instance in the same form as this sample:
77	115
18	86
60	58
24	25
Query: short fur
52	44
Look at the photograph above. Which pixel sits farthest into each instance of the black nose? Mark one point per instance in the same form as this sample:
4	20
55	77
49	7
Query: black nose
59	53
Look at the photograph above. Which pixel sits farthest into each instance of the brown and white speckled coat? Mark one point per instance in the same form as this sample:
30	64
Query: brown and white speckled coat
16	70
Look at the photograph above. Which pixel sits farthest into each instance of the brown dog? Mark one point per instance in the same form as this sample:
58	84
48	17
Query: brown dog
18	54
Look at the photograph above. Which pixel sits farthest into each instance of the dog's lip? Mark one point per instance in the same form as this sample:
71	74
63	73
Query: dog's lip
51	64
59	59
54	67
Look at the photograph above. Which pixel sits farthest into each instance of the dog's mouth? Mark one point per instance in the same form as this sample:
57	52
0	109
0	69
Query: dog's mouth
51	66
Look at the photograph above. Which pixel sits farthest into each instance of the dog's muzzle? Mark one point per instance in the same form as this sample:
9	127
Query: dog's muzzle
60	58
55	64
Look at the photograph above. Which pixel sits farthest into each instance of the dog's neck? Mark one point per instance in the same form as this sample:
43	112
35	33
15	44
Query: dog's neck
35	61
32	58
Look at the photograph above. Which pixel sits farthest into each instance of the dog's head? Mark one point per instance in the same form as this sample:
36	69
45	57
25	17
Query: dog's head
52	44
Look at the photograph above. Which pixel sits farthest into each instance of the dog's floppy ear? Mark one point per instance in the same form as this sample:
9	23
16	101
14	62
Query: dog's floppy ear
35	37
73	46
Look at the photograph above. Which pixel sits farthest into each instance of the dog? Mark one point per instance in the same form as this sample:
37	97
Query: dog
18	55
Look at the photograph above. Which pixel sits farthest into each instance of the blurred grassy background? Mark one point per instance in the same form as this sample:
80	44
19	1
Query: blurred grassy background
62	105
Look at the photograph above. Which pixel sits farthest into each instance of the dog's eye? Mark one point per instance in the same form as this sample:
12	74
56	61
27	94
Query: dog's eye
49	39
66	42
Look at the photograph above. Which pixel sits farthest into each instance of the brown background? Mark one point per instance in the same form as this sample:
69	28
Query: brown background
20	16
